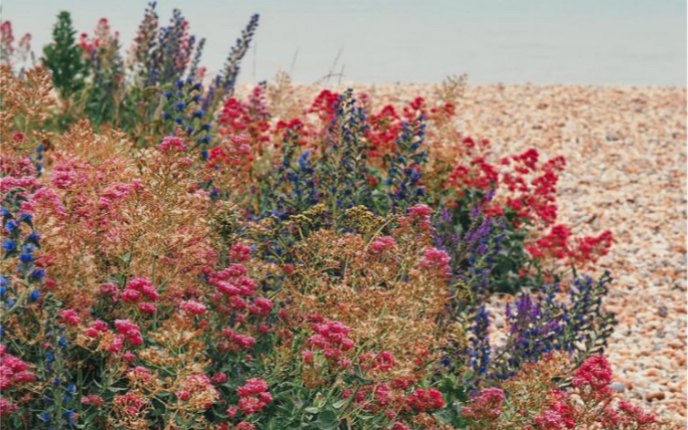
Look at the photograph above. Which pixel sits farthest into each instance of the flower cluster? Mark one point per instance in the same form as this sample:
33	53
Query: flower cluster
254	396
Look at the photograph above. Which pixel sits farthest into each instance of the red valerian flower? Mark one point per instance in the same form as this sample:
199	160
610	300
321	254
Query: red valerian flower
70	317
193	307
254	396
438	259
170	143
425	400
595	372
486	405
381	244
131	331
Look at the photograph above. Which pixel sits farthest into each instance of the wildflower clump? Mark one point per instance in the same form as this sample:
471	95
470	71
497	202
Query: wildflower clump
177	256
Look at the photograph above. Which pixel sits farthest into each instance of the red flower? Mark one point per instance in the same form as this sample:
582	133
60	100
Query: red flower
70	317
425	400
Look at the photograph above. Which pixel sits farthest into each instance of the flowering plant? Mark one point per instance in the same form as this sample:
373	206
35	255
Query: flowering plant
233	269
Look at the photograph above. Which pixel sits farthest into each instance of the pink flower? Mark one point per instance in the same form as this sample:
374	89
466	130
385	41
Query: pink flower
131	331
635	413
130	296
261	306
420	210
553	420
92	399
172	143
385	361
101	326
485	406
252	386
193	307
148	307
381	244
239	252
243	341
13	371
6	407
70	317
117	344
250	405
594	372
425	400
219	378
144	286
140	373
110	289
436	259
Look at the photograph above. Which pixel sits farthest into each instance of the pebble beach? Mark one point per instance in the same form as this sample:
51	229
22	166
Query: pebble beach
626	171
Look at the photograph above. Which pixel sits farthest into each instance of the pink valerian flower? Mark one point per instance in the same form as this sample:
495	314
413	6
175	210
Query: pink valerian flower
596	373
633	414
29	183
172	143
261	306
131	331
111	290
193	307
198	385
383	395
240	252
97	327
143	286
384	361
148	307
70	317
239	342
398	425
381	244
130	403
117	344
558	415
117	192
140	373
254	396
219	378
7	407
93	400
128	357
437	259
420	210
425	400
13	371
233	281
252	386
130	296
245	425
331	338
486	405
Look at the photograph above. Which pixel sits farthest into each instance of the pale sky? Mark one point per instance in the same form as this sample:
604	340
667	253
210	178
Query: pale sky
618	42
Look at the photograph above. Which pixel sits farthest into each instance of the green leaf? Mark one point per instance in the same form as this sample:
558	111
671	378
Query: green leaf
340	404
327	420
